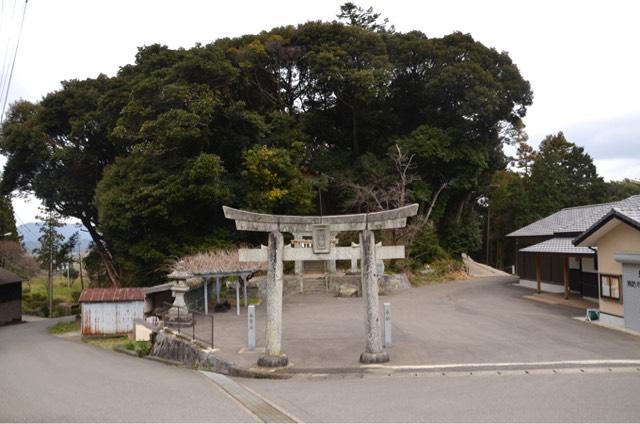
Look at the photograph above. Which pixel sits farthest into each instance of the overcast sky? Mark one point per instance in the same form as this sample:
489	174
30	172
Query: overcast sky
581	57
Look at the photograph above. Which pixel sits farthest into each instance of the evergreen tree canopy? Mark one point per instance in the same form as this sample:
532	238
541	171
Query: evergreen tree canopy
563	175
145	159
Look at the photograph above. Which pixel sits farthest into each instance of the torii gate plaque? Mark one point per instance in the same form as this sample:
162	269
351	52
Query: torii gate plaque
321	227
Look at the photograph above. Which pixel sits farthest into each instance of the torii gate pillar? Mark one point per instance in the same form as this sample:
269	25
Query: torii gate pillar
273	356
373	353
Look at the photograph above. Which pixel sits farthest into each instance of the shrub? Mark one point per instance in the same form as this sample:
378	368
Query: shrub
143	348
75	295
426	247
444	267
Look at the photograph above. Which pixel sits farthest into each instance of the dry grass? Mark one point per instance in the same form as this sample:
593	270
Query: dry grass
439	271
218	261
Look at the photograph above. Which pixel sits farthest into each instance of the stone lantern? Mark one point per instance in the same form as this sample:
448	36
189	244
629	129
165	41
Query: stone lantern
179	313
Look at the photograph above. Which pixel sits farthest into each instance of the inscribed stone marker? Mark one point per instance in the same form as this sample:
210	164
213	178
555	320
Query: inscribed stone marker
251	327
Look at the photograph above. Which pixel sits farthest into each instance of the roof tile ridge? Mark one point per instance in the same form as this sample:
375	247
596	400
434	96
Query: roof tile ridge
589	206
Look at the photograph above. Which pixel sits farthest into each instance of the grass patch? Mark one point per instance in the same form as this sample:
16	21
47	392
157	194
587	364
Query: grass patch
65	327
107	342
142	348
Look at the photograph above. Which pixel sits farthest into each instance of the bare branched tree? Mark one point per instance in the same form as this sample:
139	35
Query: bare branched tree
393	192
14	258
387	193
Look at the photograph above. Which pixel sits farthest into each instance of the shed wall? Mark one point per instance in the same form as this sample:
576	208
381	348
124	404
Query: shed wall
110	318
10	303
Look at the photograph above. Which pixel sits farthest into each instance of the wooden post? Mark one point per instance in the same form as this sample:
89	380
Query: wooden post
538	271
244	290
206	298
217	289
565	275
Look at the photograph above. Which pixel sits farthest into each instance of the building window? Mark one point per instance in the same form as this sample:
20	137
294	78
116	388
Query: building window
610	286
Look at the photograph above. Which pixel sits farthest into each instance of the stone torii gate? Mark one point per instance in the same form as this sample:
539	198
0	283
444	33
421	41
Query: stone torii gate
321	228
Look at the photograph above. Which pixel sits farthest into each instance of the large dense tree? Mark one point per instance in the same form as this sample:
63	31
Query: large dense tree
563	175
58	148
146	158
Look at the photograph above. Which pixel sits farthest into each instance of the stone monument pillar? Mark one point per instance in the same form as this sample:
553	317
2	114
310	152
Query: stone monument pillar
373	353
273	356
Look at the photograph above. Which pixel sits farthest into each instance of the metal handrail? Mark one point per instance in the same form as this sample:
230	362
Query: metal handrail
195	335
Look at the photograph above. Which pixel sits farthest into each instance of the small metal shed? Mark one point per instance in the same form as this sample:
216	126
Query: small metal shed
10	297
110	312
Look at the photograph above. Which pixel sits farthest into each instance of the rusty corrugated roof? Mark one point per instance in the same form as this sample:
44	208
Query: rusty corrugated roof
112	295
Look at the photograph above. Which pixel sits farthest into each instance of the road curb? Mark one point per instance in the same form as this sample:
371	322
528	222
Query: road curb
457	369
126	351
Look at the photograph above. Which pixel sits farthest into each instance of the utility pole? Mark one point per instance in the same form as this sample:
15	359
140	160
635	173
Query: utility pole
50	265
80	267
68	274
488	226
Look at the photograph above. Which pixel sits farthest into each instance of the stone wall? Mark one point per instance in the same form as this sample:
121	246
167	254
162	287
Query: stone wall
291	283
173	347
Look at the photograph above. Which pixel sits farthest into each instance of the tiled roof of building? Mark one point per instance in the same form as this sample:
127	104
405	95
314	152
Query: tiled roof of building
633	215
558	245
574	220
112	295
630	216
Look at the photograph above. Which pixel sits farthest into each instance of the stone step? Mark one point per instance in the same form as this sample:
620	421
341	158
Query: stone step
314	267
314	285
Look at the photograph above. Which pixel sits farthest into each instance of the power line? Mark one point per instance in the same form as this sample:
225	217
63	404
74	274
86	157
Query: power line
3	74
13	62
25	226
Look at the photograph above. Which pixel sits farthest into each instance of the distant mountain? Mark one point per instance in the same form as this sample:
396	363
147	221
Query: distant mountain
31	231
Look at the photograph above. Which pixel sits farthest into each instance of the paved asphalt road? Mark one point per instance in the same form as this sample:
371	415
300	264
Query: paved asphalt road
48	378
571	396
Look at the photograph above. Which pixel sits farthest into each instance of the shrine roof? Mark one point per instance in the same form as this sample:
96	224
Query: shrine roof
219	263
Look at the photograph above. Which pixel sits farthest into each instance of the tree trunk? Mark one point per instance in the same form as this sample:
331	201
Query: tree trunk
435	199
80	266
354	133
105	255
461	206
